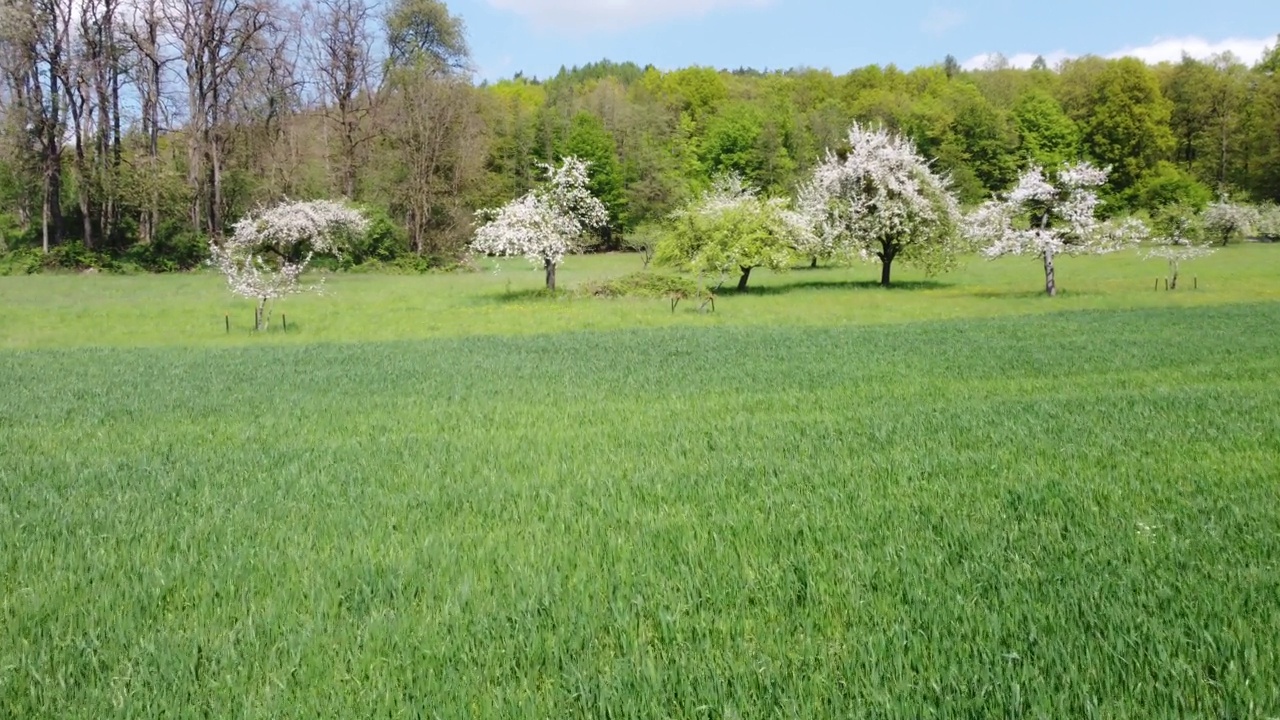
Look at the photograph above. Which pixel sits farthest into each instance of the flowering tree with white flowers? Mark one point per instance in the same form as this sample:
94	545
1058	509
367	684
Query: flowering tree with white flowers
1046	217
732	229
545	224
1268	225
1178	241
881	201
1227	221
268	251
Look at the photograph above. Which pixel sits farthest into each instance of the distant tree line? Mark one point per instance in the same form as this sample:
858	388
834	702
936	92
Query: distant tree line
141	130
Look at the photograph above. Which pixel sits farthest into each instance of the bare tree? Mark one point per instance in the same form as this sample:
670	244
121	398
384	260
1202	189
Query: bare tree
32	33
149	60
217	40
345	66
431	121
432	125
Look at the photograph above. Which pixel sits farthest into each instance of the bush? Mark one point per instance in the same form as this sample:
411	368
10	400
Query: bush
384	242
1168	185
641	284
23	261
75	256
175	248
1268	225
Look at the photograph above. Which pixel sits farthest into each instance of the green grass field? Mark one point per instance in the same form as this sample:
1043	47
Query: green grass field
440	497
189	310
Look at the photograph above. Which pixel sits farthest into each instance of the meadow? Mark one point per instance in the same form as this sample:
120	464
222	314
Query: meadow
448	496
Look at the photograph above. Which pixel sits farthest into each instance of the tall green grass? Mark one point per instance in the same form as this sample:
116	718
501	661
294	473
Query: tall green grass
1068	515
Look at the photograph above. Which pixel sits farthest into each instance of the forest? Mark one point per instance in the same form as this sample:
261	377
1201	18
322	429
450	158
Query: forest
135	132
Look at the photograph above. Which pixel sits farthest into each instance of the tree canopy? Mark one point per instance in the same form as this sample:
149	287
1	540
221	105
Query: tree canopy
118	135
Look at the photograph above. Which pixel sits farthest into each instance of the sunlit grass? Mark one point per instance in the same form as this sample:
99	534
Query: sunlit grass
1071	515
450	496
69	311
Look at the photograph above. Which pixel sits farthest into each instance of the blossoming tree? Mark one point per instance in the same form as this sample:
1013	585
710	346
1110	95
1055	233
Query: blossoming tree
1047	217
545	224
881	201
1178	241
268	251
1229	221
732	229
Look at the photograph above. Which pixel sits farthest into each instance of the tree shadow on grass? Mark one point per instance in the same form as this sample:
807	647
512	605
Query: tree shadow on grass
527	295
837	285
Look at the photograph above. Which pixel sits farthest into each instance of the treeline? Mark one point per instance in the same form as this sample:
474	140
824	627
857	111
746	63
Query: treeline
136	130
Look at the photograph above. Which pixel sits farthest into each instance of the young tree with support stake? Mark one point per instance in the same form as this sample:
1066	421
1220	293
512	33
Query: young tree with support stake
1179	241
1047	217
882	201
545	224
267	252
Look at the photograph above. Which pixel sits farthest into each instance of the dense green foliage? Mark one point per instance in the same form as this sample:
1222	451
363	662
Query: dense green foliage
410	136
731	231
1061	516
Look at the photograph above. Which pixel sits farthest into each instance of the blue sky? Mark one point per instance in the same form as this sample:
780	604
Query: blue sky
538	36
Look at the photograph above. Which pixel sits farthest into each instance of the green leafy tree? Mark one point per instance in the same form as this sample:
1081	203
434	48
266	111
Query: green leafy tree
1128	126
732	229
1046	136
986	140
1166	186
422	34
731	144
1188	85
695	90
590	141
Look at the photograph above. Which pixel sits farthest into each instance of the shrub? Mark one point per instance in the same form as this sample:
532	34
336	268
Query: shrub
23	261
1268	225
175	248
384	242
1168	185
641	284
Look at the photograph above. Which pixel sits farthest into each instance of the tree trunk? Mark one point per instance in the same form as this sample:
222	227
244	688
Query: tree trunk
888	251
82	188
551	274
742	281
1050	282
1173	281
813	263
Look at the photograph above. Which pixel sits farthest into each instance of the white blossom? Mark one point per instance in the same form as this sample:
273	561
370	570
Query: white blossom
1227	221
880	201
545	224
1268	223
1178	244
1046	217
268	251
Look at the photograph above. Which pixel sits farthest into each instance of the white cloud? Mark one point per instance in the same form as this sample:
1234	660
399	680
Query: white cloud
941	20
1171	49
579	15
1248	50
